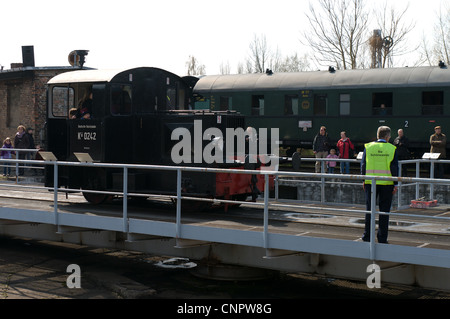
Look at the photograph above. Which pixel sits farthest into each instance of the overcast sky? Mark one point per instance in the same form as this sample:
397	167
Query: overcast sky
132	33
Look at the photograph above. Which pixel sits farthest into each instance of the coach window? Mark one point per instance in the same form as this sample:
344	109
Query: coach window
291	105
382	103
320	104
344	104
120	99
433	103
257	104
63	98
225	103
201	103
181	99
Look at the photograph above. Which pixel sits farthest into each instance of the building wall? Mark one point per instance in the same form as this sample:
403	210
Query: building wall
23	100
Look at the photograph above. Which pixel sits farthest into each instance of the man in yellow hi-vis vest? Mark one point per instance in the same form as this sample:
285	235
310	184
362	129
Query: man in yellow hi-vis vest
380	159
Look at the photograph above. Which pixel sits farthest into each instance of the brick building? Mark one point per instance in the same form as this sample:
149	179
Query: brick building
23	97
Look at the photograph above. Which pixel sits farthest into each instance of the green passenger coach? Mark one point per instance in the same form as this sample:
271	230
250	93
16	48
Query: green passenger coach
356	101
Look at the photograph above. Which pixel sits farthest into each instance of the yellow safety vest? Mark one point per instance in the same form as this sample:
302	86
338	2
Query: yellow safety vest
378	161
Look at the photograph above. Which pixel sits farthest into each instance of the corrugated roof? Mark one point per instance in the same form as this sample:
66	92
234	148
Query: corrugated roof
368	78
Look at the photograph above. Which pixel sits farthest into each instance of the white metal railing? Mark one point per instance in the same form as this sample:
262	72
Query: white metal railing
265	204
418	163
17	151
402	183
323	170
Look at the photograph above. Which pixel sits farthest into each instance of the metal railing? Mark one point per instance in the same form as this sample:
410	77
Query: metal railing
418	162
265	203
403	181
322	178
17	152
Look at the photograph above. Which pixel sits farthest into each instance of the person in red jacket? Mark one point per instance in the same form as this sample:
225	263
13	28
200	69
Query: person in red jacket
346	150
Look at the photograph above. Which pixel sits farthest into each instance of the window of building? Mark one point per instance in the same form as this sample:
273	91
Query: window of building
320	104
291	105
257	104
382	103
62	100
433	103
344	104
13	114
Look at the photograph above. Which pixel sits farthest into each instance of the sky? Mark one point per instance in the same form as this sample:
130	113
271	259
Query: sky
163	34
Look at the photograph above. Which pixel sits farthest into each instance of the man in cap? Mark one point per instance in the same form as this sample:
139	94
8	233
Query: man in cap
438	143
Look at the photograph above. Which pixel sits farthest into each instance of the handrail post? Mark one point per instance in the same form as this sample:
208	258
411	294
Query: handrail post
266	210
55	193
417	176
125	200
373	197
431	177
322	182
276	187
17	167
399	193
178	220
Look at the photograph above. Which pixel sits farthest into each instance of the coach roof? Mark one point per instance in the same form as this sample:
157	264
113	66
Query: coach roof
367	78
107	75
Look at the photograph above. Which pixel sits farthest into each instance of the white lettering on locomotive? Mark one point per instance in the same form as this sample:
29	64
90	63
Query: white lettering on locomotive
87	136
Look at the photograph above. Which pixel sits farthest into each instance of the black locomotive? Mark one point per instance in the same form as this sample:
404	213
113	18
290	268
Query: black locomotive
128	117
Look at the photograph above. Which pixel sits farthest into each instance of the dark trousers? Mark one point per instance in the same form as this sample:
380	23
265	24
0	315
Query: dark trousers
22	156
384	195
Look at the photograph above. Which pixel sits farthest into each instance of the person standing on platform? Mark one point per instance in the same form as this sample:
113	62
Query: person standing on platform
4	154
332	164
438	142
321	145
346	150
21	141
401	142
380	158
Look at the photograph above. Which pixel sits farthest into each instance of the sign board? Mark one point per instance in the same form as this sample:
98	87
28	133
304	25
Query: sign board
431	155
48	156
84	157
306	93
305	124
360	155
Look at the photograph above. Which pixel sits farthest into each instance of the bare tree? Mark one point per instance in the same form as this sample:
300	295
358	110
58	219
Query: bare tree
338	30
437	48
240	68
194	67
293	63
259	55
262	58
441	47
225	68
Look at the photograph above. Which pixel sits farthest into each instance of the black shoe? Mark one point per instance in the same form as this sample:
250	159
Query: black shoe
365	239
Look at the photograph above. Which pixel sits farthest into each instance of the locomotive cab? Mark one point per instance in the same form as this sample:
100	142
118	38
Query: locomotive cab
106	114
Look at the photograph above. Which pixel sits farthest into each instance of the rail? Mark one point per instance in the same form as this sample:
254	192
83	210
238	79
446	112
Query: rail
437	257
